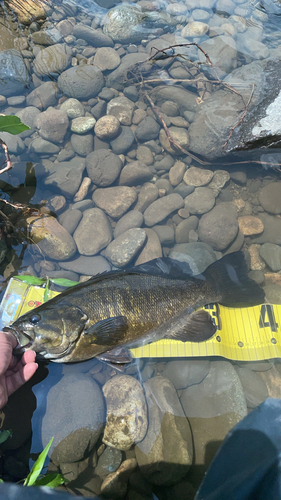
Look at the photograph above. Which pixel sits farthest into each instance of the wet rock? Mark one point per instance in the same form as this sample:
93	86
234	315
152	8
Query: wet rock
106	59
94	220
270	197
108	462
198	255
103	167
219	227
127	23
147	129
73	108
27	116
179	135
145	155
52	124
75	415
200	201
185	100
183	373
195	176
134	173
273	293
115	201
44	96
83	145
176	173
147	195
255	389
107	127
71	220
256	262
184	227
116	77
132	219
162	208
49	36
52	60
14	143
213	407
272	230
152	249
67	176
166	452
271	254
40	146
94	37
122	108
249	225
222	51
126	419
123	141
82	124
32	10
125	247
220	178
166	234
52	238
87	265
14	75
115	484
81	82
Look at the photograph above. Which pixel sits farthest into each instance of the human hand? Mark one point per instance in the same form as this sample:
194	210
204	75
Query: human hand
14	372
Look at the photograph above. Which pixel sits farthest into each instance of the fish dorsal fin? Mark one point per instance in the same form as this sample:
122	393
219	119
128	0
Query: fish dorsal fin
109	331
199	326
164	266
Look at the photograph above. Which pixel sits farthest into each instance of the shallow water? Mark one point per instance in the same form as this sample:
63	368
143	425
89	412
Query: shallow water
55	168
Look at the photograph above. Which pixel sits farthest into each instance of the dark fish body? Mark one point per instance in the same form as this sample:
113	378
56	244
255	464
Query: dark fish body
149	302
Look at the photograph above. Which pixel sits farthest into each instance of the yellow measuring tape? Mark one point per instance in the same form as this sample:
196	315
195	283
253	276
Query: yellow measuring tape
244	334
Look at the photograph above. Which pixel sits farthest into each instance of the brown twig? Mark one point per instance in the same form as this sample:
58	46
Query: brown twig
241	118
164	54
9	164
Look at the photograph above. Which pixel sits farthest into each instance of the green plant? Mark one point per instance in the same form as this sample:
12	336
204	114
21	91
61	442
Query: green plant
33	280
12	124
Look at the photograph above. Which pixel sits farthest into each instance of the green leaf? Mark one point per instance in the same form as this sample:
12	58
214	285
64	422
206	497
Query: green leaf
51	480
63	282
47	289
31	280
12	124
1	481
4	435
37	466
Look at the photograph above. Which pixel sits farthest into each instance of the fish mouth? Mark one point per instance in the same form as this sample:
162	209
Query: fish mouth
24	340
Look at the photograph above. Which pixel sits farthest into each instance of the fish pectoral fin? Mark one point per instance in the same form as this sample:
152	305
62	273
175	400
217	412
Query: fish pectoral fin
198	327
110	331
119	355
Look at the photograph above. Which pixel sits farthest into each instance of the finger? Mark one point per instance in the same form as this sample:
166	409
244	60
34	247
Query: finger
7	343
17	379
3	392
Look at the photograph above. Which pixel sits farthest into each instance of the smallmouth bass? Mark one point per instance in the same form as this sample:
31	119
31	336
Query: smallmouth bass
133	307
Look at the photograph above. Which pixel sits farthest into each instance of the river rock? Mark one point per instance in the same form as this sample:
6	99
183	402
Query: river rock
249	225
115	201
184	227
126	418
14	143
200	201
198	255
270	197
195	176
271	254
147	129
71	220
81	82
75	414
152	249
32	10
125	247
52	60
103	167
222	51
165	454
272	230
220	178
179	135
94	221
162	208
27	116
40	146
123	141
82	124
183	373
14	75
122	108
108	462
89	266
51	237
83	145
44	96
134	173
115	484
52	124
132	219
127	23
67	176
94	37
115	78
73	108
106	59
147	195
107	127
255	389
219	227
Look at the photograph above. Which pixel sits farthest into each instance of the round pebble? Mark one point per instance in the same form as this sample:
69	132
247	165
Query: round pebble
195	176
107	127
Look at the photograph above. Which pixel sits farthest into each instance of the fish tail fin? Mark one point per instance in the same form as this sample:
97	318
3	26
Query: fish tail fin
233	284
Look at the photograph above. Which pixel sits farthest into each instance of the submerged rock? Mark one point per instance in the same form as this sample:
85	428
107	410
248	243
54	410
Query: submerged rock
14	75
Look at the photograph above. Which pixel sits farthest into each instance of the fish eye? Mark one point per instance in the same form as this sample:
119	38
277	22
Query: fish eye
34	319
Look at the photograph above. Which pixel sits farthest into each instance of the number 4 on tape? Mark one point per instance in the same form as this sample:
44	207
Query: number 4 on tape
267	318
